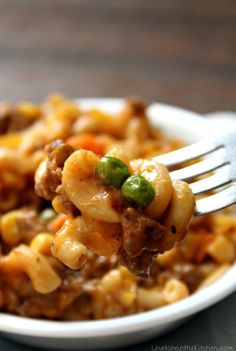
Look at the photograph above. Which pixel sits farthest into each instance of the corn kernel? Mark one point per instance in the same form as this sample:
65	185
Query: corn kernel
42	243
9	230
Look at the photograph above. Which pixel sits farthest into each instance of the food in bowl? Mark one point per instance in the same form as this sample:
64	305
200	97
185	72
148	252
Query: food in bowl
36	284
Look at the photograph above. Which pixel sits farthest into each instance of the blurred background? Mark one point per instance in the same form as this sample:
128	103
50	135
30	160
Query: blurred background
181	52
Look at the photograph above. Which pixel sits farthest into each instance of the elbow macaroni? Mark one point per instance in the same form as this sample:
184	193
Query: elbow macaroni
78	181
24	259
175	290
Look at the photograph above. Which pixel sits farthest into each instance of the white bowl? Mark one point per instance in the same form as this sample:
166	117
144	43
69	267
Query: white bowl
117	332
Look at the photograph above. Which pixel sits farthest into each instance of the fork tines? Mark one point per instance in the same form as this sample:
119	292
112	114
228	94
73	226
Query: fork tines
217	156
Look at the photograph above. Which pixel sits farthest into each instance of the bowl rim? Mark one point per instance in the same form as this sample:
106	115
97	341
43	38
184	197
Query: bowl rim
201	299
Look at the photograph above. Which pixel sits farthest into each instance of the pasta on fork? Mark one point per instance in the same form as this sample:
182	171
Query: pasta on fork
114	206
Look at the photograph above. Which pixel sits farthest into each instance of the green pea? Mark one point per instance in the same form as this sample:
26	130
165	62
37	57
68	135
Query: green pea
138	190
48	214
111	171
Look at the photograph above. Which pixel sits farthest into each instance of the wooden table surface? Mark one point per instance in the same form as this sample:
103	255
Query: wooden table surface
181	52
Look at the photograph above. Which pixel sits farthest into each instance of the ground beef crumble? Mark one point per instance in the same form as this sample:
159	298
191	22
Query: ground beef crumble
57	152
140	241
11	120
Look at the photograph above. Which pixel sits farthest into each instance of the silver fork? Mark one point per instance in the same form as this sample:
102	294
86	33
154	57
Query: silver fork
219	154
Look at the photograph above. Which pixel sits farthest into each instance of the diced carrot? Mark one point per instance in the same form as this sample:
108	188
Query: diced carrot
205	241
87	142
56	223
